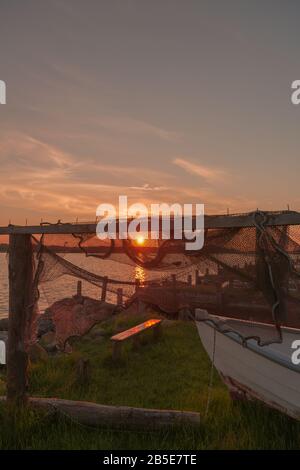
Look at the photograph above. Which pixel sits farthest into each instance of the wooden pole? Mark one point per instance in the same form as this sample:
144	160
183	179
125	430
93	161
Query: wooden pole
189	279
79	288
197	278
120	296
20	313
104	289
211	221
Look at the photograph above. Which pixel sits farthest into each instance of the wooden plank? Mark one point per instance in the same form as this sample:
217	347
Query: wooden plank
118	417
20	311
152	323
210	221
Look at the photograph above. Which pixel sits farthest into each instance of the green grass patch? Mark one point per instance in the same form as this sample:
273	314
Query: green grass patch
171	373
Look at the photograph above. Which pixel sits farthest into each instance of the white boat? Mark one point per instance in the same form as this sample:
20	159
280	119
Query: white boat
3	342
268	373
2	353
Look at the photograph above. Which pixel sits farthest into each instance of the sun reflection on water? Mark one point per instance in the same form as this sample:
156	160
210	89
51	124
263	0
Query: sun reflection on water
140	274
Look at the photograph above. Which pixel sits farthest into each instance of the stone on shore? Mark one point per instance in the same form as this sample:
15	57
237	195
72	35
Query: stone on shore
37	353
73	316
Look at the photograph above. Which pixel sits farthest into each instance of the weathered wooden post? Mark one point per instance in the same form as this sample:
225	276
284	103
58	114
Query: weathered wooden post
137	284
174	280
104	289
119	296
79	288
21	305
189	279
83	373
197	277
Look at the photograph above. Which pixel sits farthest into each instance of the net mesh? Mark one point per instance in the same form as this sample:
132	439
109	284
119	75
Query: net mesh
250	274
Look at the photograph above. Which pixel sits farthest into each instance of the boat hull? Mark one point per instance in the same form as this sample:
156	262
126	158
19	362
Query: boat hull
2	353
266	373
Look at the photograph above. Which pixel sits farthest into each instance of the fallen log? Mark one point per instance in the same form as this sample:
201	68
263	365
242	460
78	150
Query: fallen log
118	417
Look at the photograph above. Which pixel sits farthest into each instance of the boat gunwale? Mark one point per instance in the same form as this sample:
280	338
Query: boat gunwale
255	347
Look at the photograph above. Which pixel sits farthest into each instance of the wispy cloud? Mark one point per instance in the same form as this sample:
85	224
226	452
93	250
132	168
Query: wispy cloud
128	125
207	173
37	176
149	187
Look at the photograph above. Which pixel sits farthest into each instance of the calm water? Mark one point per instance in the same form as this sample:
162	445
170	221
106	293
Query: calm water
65	286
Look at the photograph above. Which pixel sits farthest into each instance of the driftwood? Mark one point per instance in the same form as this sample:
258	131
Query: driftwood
92	414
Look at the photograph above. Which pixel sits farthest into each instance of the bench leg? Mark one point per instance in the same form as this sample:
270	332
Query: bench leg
117	349
136	342
157	332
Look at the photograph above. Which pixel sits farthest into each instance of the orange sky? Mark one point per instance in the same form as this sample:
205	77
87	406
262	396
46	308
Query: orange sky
162	102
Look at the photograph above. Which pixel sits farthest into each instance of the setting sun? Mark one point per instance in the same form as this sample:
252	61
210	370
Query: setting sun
140	240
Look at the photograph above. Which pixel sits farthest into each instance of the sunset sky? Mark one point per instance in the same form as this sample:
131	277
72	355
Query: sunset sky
162	100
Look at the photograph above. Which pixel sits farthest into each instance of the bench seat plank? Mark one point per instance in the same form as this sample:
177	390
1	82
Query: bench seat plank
153	322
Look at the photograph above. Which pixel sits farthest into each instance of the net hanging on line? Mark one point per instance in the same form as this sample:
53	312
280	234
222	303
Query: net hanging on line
248	273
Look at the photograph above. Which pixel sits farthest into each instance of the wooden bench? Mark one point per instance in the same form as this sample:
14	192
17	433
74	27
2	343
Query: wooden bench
152	324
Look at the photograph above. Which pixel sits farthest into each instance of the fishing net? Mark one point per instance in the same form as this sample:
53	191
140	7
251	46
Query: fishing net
248	273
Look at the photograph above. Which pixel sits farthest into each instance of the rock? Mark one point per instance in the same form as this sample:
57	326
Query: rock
96	333
48	342
74	317
45	323
68	348
37	353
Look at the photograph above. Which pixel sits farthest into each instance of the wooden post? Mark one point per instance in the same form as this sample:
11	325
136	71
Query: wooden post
141	307
119	296
83	374
104	289
79	288
174	279
189	279
21	299
197	279
137	284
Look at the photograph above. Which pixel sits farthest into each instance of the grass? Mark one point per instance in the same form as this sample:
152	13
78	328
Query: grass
172	373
